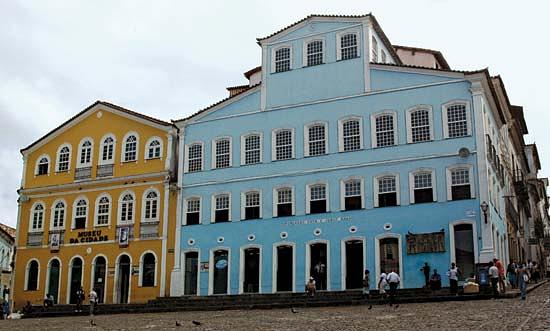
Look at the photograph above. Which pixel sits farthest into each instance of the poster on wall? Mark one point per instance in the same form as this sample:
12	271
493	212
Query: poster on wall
426	243
54	241
123	234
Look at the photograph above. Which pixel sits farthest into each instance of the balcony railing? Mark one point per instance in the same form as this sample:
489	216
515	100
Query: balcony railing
149	230
34	238
511	212
105	170
83	173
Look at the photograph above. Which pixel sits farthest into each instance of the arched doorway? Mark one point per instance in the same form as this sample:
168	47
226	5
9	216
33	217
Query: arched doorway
251	278
53	279
464	248
221	271
75	279
354	264
191	273
389	255
318	264
285	268
123	279
99	277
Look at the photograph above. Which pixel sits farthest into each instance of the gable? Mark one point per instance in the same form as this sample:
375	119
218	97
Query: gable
245	104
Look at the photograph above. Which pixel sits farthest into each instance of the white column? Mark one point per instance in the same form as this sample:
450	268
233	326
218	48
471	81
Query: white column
176	283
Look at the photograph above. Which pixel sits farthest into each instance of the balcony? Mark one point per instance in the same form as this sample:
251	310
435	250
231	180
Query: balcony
149	230
83	173
104	170
511	212
34	238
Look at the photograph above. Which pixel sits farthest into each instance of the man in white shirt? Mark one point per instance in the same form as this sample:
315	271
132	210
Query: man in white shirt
493	275
394	280
93	301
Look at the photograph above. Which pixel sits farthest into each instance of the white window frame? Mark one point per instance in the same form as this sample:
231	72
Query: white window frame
52	216
308	195
119	212
275	198
304	50
78	156
41	228
58	154
446	120
141	265
213	165
448	176
81	197
409	122
148	147
43	156
96	209
339	36
343	191
185	206
186	163
273	142
306	137
273	53
341	123
243	202
102	145
213	207
144	203
373	128
374	49
27	268
397	187
123	149
411	182
243	146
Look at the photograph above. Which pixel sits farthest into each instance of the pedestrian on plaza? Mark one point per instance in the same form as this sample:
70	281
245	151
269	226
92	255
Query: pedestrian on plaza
366	283
80	296
320	270
393	280
5	309
93	301
501	274
6	293
426	270
494	278
48	301
435	281
535	275
529	268
511	271
311	287
453	274
523	278
382	283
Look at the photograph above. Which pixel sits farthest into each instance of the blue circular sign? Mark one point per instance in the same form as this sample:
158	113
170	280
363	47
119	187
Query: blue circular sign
221	264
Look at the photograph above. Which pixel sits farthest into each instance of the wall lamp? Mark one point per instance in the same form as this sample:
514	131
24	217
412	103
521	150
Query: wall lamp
484	207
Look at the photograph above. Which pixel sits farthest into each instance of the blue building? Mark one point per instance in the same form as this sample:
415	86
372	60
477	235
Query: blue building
343	153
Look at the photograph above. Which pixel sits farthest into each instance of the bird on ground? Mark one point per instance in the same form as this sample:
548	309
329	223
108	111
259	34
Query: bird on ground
196	322
294	311
92	323
178	323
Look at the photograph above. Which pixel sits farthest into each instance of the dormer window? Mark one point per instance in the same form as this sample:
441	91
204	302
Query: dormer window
348	46
282	59
374	50
314	52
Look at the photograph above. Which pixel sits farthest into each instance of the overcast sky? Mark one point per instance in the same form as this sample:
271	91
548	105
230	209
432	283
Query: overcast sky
170	58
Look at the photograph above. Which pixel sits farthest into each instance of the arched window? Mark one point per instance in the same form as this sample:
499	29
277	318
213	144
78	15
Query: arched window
37	217
32	276
85	159
63	159
151	207
58	219
80	214
103	211
148	270
154	149
127	208
43	166
130	148
107	150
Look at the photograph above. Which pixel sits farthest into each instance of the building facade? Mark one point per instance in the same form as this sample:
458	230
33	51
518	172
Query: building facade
94	209
339	156
7	243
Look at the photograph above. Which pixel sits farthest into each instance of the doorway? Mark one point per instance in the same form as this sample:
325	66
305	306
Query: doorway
123	279
354	264
191	273
251	282
464	248
221	272
285	268
53	280
318	264
100	269
76	279
389	255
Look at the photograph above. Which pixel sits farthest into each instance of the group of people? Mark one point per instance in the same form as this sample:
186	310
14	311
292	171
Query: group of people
433	281
81	296
4	302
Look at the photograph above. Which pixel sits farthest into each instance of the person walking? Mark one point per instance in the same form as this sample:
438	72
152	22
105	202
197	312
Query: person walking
426	270
501	274
393	280
494	278
453	275
311	287
93	301
80	296
366	283
511	273
523	278
382	283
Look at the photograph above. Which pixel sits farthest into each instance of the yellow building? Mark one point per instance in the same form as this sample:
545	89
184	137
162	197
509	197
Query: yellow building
95	209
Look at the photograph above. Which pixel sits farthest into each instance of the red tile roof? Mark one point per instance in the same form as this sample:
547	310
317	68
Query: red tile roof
252	72
8	230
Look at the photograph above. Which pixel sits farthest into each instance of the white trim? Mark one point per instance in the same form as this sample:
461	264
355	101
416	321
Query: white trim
70	276
343	257
285	32
341	123
366	32
243	146
100	160
47	283
275	198
37	164
57	156
341	34
308	195
141	265
377	255
185	206
92	272
448	176
309	40
211	270
76	200
32	210
186	156
119	211
445	119
96	209
214	154
242	267
306	137
243	202
275	259
123	148
409	112
273	53
343	191
397	186
147	147
411	182
79	154
143	205
26	287
183	270
164	247
273	143
452	239
373	118
117	271
52	214
213	206
308	260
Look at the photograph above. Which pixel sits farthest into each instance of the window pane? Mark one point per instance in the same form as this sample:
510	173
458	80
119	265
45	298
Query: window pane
352	135
317	138
387	199
195	157
461	192
282	59
384	131
315	53
420	126
457	121
252	149
130	149
422	180
283	145
386	184
423	195
348	45
222	153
